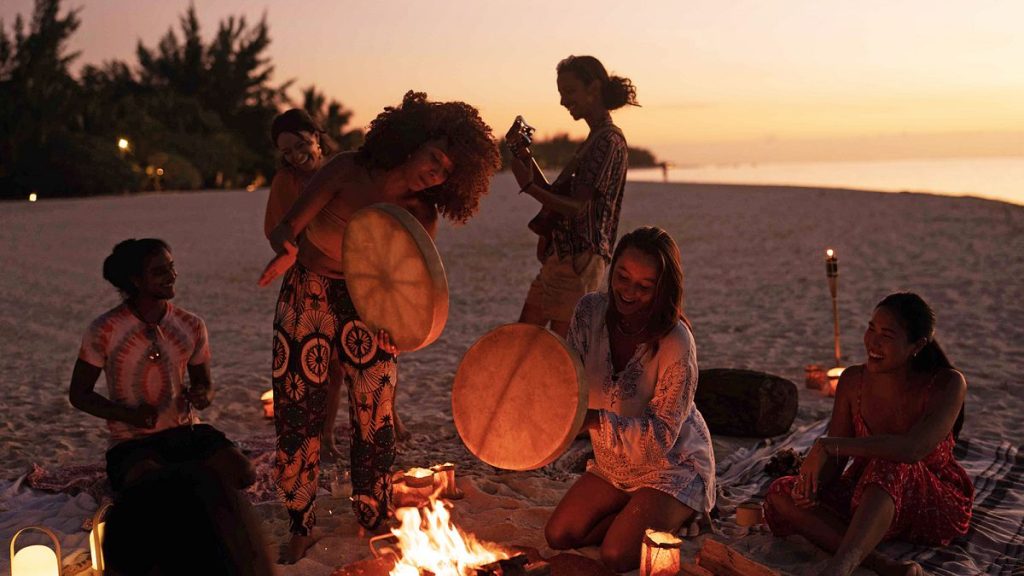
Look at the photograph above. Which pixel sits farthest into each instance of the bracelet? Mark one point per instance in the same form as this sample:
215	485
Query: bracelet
526	186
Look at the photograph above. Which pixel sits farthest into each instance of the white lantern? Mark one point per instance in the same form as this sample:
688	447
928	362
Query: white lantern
99	525
660	554
37	559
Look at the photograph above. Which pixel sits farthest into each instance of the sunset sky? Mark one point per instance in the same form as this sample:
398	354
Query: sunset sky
720	81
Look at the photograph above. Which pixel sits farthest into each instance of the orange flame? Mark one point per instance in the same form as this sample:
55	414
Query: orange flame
430	542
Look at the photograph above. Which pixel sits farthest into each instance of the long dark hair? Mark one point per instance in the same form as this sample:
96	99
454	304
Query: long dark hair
668	298
400	130
616	91
918	319
128	261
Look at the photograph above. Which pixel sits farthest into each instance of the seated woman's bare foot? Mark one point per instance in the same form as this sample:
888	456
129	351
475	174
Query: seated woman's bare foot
293	550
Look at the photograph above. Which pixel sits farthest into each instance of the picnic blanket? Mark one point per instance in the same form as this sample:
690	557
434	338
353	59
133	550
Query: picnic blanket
993	545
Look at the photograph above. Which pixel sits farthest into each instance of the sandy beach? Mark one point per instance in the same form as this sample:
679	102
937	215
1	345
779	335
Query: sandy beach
755	291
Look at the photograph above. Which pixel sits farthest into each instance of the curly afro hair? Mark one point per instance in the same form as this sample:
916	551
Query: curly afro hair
399	131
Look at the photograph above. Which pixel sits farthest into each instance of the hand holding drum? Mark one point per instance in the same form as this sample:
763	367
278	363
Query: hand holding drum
395	276
519	397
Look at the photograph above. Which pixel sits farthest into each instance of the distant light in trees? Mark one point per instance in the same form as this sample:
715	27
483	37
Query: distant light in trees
122	143
32	197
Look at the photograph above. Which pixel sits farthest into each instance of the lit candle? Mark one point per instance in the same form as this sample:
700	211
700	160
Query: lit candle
659	554
444	479
833	381
268	403
414	487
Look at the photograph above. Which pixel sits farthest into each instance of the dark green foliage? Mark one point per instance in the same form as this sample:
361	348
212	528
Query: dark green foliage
200	110
331	119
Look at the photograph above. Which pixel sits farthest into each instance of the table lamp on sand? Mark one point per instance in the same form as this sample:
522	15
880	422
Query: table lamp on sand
36	559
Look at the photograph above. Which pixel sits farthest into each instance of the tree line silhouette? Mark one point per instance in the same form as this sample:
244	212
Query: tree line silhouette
187	114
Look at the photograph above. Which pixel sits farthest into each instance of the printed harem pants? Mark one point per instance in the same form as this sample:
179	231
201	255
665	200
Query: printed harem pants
315	322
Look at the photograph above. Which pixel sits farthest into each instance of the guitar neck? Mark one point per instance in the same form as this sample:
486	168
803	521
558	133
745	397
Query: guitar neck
538	174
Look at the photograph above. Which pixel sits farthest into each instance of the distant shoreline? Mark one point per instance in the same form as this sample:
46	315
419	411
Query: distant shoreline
752	187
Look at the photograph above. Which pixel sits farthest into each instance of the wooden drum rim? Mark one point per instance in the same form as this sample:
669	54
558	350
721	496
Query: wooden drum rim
435	280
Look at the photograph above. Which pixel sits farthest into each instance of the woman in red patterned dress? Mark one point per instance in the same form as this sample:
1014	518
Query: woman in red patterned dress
896	416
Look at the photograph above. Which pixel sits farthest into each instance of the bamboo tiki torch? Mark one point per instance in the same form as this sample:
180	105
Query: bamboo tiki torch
832	271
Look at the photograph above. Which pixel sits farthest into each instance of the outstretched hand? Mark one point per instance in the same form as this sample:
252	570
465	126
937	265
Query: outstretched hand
280	264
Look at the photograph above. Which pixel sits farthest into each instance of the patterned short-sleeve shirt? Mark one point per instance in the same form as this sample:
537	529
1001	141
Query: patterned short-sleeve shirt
602	168
122	345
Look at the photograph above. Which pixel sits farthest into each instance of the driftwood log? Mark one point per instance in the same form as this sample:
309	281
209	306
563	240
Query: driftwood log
721	560
745	403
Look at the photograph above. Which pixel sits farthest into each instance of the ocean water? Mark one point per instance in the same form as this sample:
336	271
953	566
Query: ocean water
994	178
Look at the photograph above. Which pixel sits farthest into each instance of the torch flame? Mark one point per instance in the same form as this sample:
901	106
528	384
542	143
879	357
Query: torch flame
430	543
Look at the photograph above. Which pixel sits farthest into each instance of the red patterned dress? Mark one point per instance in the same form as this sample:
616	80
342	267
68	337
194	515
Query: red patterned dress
933	496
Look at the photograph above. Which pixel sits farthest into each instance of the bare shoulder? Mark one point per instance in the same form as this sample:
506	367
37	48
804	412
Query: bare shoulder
342	167
849	381
950	381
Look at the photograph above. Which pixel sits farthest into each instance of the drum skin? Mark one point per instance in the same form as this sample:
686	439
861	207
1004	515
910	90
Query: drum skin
395	276
519	397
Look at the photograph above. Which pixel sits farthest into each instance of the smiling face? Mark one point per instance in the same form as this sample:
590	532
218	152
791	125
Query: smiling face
580	99
634	283
886	342
158	276
300	150
428	166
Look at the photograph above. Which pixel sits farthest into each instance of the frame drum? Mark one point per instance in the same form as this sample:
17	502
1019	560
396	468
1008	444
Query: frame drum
395	276
519	397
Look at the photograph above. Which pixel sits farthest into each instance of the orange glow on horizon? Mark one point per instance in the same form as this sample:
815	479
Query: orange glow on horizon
744	81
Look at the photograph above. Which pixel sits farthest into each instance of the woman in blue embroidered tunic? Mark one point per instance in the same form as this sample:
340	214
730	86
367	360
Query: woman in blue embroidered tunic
653	461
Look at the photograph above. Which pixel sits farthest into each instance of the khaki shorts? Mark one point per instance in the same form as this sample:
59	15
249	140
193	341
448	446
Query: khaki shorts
562	282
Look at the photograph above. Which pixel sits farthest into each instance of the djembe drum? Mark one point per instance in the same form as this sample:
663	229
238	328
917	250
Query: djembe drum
519	397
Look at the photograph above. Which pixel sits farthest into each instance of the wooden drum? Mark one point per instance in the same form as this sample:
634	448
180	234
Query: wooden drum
395	276
519	397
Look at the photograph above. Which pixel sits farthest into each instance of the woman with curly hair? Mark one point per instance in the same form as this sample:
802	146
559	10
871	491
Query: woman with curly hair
431	158
580	216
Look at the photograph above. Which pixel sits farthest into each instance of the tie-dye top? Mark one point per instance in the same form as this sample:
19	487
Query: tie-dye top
124	347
